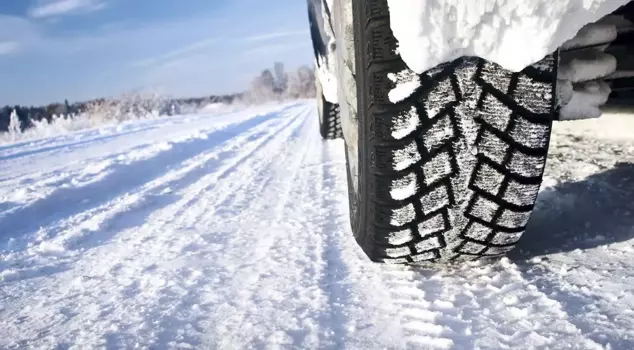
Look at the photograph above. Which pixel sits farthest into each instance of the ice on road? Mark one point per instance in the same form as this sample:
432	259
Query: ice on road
230	231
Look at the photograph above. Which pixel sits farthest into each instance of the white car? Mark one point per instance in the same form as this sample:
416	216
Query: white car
446	107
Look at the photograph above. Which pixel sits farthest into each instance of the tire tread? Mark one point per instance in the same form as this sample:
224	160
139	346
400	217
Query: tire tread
330	127
476	214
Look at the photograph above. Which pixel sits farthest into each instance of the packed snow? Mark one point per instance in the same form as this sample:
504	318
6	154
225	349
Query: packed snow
406	83
405	123
586	101
511	33
229	230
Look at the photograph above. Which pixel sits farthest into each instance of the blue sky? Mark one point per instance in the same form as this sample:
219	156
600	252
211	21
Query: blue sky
51	50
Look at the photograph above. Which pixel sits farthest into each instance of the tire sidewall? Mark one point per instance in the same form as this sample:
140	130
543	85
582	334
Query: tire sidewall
349	60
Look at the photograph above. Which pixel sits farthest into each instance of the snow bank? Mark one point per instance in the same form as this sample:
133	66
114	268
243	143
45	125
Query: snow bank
61	125
215	108
41	129
98	116
512	33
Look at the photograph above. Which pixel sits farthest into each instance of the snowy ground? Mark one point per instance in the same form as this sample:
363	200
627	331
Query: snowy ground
230	231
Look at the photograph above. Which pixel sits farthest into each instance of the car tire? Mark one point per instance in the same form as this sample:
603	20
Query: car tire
451	171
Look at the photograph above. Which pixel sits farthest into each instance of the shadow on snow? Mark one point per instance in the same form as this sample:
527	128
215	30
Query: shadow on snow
596	211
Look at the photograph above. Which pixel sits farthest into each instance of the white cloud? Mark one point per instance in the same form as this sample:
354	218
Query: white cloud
276	35
8	47
182	51
266	50
194	48
50	8
18	33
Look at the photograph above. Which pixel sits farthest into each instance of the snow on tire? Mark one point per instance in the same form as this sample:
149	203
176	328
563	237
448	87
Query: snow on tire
450	161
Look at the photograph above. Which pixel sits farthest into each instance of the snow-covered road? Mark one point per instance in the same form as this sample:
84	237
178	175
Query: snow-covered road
230	231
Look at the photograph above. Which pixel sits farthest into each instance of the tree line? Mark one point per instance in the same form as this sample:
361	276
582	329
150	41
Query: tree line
28	114
117	109
270	85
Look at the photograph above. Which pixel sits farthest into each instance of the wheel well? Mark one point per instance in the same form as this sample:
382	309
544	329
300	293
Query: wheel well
626	10
623	46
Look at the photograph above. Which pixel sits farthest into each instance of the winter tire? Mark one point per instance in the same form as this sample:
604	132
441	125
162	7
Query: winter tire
329	121
452	171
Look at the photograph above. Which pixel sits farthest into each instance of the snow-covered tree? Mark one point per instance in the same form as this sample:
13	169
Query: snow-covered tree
15	125
281	78
262	88
301	83
281	85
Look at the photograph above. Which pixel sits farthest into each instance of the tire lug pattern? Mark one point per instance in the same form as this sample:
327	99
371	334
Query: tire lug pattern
330	127
456	166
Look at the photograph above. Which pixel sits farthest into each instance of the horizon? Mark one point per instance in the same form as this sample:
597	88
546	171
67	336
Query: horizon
124	93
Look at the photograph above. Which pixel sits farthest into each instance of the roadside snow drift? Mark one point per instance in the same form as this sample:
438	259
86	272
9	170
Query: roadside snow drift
230	231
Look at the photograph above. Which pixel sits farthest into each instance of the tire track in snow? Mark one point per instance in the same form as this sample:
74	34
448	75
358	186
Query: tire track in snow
595	299
335	272
285	251
292	248
483	306
578	247
90	218
95	136
260	161
299	252
68	147
205	205
88	168
133	248
131	209
66	202
487	306
65	172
